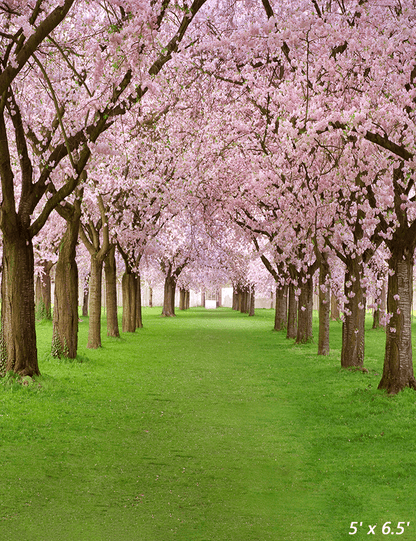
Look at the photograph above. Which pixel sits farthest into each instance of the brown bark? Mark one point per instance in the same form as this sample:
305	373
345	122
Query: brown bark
218	298
236	297
18	302
65	311
292	320
184	296
85	296
305	310
110	271
244	300
171	277
381	306
150	297
94	330
280	317
139	320
203	295
376	318
353	326
383	297
240	299
398	362
324	306
43	309
252	301
129	288
182	299
169	296
98	250
335	314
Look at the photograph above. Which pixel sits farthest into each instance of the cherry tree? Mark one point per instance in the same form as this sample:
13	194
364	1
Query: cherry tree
368	87
346	67
97	63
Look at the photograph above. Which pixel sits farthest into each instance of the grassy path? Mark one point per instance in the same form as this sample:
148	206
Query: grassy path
207	427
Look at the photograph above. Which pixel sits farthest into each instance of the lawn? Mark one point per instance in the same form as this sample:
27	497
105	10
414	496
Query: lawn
208	426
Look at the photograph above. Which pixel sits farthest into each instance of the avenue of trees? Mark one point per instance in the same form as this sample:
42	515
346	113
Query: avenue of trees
270	144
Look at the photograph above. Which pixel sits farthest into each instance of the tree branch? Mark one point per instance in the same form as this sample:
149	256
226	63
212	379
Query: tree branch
43	30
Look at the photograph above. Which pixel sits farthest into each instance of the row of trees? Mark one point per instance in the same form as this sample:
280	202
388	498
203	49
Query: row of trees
209	136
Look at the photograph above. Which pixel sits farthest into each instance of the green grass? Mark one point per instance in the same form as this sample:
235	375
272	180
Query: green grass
208	426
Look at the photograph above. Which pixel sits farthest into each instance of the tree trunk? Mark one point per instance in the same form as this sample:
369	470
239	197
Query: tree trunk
335	315
292	319
139	320
380	306
398	363
236	297
129	288
247	300
376	318
252	301
94	330
43	294
187	299
203	298
169	297
65	310
18	303
150	297
182	299
383	297
244	300
110	271
353	326
240	300
280	317
85	297
324	306
305	311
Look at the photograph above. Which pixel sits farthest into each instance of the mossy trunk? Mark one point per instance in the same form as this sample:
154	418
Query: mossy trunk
65	310
110	271
18	302
353	326
398	362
